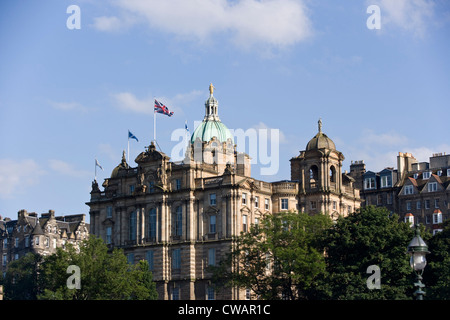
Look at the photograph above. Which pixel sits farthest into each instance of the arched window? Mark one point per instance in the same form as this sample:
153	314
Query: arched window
313	176
332	174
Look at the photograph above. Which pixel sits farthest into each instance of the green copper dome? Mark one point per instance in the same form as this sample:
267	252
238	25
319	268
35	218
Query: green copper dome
211	125
211	128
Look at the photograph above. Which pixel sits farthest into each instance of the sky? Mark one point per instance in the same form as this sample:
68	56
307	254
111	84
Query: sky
75	76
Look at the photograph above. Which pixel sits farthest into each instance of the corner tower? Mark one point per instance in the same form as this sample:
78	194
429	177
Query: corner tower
322	185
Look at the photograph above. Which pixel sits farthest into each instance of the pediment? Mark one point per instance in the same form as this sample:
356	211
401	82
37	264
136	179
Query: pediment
211	210
245	209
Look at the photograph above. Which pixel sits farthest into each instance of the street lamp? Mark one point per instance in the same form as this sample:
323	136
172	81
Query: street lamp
417	249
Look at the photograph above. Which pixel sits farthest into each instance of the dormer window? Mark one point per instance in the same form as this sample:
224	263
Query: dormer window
385	181
432	187
369	183
409	189
426	175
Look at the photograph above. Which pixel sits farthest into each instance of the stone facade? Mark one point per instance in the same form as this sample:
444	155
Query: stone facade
181	217
43	235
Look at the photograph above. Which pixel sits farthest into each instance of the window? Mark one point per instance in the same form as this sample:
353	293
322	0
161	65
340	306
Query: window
5	259
426	175
379	199
179	221
244	223
284	204
36	240
176	259
408	205
16	242
427	219
427	204
176	293
436	203
247	294
212	224
130	258
131	188
212	199
266	204
437	217
132	226
256	221
389	198
151	187
448	172
46	242
385	181
418	205
210	292
256	202
313	205
334	205
108	235
211	257
177	184
244	198
409	189
5	243
149	258
54	243
152	224
439	173
349	209
432	187
369	183
109	212
27	241
409	218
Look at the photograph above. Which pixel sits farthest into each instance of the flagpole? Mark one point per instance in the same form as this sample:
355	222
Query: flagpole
154	125
128	148
95	177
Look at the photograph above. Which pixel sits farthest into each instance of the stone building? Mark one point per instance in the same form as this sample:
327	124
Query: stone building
181	216
417	191
43	235
322	185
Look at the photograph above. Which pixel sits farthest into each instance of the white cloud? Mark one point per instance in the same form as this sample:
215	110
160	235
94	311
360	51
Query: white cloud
18	175
127	101
68	106
380	150
67	169
410	15
275	23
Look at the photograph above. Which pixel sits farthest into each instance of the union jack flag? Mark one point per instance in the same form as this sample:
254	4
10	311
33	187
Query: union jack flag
161	108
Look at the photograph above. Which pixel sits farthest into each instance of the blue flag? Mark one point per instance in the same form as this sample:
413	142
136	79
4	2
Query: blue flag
132	136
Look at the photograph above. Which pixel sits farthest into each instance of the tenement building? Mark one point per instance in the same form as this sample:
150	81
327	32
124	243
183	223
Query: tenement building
418	191
181	216
43	235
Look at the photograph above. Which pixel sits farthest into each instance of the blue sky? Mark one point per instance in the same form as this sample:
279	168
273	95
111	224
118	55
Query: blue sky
68	96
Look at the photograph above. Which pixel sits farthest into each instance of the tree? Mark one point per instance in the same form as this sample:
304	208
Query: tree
279	258
20	282
103	275
437	272
371	237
